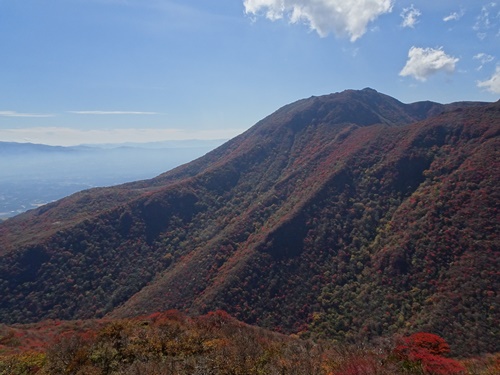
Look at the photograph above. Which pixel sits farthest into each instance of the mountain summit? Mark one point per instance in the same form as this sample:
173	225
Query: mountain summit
346	216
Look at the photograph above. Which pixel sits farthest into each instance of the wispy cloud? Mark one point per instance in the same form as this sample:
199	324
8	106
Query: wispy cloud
424	62
112	113
342	17
488	20
18	114
64	136
483	59
455	16
493	84
410	16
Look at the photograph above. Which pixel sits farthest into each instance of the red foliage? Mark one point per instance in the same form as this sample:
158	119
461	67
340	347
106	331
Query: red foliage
428	342
427	350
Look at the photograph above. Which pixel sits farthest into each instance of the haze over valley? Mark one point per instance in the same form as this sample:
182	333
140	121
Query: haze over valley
32	175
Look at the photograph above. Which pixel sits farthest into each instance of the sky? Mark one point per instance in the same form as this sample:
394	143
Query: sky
105	71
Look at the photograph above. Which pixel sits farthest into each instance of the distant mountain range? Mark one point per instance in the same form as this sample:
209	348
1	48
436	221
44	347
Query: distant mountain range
348	216
34	174
14	148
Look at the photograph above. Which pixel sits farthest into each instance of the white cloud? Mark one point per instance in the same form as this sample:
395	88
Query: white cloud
112	113
342	17
483	59
64	136
452	17
17	114
455	16
488	20
423	62
493	84
410	16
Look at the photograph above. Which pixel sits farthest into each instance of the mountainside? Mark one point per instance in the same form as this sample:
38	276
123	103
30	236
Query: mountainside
348	216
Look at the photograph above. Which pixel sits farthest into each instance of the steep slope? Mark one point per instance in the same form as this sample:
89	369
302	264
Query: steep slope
362	106
349	215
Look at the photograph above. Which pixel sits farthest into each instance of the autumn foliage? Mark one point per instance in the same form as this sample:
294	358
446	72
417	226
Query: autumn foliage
172	343
428	351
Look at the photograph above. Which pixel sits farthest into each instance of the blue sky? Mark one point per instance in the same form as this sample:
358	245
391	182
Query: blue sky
100	71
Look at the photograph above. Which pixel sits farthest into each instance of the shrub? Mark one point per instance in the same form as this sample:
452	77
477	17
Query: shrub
425	351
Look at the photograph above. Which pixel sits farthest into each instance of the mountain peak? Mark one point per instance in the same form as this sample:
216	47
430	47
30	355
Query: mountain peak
355	107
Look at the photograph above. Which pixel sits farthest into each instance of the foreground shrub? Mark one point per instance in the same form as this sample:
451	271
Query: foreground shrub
171	343
426	351
22	364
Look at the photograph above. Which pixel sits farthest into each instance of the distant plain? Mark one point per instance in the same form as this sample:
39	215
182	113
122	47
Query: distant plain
32	175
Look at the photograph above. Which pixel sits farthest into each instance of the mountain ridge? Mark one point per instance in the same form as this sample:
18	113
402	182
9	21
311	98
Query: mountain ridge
284	226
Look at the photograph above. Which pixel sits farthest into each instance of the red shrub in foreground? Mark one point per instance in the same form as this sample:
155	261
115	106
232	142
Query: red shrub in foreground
433	344
427	350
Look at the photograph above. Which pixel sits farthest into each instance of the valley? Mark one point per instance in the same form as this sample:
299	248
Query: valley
33	175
